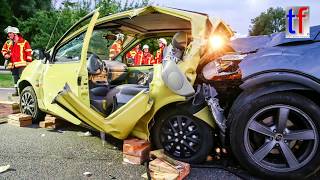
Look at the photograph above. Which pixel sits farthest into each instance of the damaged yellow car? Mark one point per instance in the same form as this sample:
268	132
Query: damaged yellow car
79	81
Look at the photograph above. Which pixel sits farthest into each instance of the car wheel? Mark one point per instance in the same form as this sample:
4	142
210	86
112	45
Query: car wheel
29	104
182	136
277	135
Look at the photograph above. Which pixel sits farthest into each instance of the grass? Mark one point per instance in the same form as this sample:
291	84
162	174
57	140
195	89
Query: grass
6	81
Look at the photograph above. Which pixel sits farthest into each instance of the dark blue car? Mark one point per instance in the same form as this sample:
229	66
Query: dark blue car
273	117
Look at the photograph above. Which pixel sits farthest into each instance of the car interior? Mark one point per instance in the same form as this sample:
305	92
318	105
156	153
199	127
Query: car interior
114	81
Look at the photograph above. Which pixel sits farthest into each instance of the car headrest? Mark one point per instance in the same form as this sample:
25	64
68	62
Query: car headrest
180	40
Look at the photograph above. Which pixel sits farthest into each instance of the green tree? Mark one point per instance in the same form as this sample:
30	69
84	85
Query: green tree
268	22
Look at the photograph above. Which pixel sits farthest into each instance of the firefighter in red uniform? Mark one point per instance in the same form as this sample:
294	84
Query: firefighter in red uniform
159	53
20	56
147	58
135	56
7	47
116	47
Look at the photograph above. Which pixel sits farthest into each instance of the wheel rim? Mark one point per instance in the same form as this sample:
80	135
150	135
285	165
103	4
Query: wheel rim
180	136
281	138
28	103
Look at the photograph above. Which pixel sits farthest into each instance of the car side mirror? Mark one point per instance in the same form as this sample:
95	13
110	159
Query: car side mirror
40	54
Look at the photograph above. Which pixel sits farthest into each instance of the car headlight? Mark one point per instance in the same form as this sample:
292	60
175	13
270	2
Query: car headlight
225	67
217	42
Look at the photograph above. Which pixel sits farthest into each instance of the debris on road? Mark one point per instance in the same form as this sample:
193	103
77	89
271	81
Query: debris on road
4	168
43	135
84	134
87	174
136	151
20	120
164	167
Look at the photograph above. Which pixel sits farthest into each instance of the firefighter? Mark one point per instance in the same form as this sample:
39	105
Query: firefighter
135	56
116	47
20	57
147	58
159	53
7	47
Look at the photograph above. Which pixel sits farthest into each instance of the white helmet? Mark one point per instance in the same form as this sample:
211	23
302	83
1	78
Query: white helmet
145	46
163	41
120	36
11	29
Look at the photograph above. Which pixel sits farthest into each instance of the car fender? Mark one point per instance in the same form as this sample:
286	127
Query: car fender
31	76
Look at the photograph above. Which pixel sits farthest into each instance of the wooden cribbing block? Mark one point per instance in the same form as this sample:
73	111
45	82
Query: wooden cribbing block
24	123
20	117
45	124
164	164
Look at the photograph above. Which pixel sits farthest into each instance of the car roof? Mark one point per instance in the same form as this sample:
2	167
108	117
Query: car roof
253	43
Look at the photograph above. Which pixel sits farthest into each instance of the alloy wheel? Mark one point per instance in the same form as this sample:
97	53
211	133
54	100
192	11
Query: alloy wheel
28	103
281	138
180	136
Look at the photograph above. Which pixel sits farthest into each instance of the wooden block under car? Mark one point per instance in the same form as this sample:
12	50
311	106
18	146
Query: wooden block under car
24	123
52	121
20	117
165	164
45	124
136	147
161	176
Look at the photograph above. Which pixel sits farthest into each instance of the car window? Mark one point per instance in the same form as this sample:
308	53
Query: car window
99	44
71	51
146	53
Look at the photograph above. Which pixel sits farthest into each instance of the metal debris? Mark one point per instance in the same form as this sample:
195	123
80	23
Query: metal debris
84	134
87	174
4	168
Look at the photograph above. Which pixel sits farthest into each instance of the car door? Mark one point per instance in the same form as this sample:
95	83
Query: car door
68	66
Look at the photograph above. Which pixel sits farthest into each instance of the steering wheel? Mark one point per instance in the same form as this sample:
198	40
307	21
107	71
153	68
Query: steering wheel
94	63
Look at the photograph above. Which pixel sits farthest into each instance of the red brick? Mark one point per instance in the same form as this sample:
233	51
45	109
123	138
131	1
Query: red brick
136	147
134	159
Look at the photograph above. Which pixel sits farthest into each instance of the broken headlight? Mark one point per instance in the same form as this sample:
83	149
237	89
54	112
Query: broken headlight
225	67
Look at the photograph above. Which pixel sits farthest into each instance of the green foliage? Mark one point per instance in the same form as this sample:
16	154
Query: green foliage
37	19
268	22
6	81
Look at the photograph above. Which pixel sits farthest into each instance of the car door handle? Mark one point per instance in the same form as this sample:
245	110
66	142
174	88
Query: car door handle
79	80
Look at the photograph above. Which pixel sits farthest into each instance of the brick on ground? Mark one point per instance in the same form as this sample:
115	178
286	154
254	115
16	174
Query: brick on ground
135	151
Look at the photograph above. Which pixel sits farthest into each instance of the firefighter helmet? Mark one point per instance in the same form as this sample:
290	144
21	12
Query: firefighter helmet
11	29
145	46
120	36
163	41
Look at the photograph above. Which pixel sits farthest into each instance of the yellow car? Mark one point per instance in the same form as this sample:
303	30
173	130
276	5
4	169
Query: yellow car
79	81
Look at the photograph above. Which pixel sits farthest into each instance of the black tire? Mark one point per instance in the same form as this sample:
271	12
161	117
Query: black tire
189	128
263	135
29	104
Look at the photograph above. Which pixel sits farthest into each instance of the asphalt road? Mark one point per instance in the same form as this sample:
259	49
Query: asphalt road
35	153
